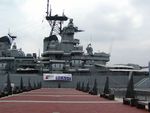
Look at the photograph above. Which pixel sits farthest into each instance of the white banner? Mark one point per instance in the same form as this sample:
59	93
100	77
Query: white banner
59	77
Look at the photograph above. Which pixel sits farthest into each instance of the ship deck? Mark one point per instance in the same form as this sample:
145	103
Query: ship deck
62	100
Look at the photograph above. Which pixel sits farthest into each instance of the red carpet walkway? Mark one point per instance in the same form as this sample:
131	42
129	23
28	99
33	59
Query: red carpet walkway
61	101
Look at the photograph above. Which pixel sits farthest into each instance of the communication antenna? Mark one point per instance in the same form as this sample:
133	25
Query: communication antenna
63	13
50	11
91	39
111	46
8	30
39	53
110	50
47	8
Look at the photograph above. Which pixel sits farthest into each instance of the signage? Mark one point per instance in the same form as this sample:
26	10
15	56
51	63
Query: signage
57	77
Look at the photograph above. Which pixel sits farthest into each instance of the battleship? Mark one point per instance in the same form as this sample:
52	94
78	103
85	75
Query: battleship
63	62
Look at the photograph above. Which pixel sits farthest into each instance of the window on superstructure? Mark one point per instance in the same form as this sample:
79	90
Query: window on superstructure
58	57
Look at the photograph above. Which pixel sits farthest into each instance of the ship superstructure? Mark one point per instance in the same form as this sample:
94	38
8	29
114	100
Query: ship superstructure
67	55
14	60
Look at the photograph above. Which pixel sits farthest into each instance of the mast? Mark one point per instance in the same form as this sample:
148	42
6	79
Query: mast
55	22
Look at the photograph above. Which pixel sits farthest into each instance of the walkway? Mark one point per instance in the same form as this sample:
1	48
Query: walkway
61	101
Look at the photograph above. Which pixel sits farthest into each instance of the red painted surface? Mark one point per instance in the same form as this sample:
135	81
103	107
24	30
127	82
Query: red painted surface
56	95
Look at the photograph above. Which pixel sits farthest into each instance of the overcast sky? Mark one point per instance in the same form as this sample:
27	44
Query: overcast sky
118	27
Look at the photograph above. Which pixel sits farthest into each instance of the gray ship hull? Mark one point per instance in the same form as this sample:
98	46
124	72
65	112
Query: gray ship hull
117	79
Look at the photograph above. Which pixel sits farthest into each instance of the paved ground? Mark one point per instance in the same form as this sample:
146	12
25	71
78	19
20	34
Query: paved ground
61	101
